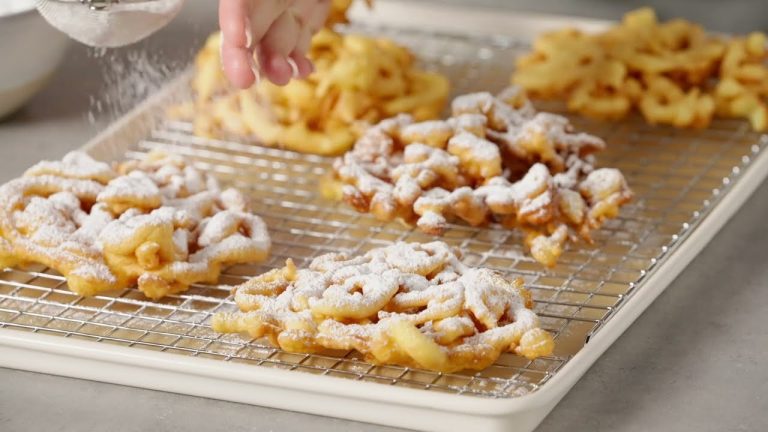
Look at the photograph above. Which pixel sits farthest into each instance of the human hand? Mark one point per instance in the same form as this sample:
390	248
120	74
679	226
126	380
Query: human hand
269	37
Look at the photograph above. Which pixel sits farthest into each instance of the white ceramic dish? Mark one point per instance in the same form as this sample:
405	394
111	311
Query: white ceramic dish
31	51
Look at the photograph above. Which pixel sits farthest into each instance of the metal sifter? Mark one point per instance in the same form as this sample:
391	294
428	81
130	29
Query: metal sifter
109	23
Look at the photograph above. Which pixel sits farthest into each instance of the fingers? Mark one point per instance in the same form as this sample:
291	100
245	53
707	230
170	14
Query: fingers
312	15
286	44
232	20
238	66
282	36
275	67
315	17
304	66
303	41
236	52
303	8
262	15
278	32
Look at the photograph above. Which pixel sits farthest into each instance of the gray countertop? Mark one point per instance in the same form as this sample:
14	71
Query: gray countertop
695	360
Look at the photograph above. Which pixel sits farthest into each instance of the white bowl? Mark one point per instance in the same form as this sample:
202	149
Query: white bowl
31	51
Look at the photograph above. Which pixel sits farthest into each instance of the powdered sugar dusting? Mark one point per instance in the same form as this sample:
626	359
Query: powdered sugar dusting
480	148
104	230
356	303
136	185
468	122
427	128
502	162
480	102
431	219
74	165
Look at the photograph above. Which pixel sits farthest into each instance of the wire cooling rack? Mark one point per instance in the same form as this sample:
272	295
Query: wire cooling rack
678	176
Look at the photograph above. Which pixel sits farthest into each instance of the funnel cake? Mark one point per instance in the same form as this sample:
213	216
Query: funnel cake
359	80
157	222
495	160
408	304
672	72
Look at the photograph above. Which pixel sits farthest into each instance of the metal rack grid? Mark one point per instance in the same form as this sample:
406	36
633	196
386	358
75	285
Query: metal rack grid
677	176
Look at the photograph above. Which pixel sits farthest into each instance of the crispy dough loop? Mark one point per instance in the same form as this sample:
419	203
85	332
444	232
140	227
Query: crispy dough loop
358	80
395	305
155	222
495	160
663	69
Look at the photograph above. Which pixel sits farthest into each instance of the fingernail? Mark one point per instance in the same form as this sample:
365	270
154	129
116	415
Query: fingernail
256	71
248	34
294	67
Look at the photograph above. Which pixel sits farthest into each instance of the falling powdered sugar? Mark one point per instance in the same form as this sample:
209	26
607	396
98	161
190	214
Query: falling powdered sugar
129	77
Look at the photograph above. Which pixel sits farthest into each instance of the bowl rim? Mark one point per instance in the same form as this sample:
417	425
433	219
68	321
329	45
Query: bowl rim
31	8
